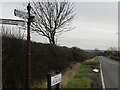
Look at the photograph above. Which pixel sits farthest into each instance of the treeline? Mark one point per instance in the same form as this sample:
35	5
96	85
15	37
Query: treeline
113	55
46	58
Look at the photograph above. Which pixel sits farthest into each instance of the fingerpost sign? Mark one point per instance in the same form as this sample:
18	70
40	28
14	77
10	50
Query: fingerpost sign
54	80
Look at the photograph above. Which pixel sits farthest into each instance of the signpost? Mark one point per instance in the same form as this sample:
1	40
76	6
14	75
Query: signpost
54	80
12	22
29	17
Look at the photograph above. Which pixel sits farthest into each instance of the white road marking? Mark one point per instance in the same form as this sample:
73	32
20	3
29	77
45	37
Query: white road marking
102	79
106	62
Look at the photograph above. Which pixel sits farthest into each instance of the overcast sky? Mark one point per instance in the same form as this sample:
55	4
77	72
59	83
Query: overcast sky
96	24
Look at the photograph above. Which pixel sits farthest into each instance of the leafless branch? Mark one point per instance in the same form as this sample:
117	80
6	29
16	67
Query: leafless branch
54	18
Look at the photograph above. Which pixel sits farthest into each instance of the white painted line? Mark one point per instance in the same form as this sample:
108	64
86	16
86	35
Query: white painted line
102	79
101	74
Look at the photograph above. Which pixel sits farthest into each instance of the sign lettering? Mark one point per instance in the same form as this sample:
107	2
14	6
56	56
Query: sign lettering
55	79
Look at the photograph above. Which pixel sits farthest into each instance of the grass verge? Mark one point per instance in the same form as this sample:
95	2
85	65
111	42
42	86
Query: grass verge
108	57
85	77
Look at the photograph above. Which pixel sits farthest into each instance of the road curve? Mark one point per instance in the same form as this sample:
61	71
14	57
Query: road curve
110	72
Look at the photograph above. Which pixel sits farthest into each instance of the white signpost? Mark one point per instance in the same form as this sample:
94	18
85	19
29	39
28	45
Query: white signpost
56	79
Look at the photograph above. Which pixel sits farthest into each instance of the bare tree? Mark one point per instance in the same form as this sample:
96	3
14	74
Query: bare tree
54	18
112	49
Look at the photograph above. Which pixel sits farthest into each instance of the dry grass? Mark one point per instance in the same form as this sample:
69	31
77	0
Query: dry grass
69	73
39	84
85	77
90	59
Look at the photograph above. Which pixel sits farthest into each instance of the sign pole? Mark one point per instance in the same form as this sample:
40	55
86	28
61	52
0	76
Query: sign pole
28	59
49	82
57	85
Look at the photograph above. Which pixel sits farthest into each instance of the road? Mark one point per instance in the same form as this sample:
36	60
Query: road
0	73
110	72
0	79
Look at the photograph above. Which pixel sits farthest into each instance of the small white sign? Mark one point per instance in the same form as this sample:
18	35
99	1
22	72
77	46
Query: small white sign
56	79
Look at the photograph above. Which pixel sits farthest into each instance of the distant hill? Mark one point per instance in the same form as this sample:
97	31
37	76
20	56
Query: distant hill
91	51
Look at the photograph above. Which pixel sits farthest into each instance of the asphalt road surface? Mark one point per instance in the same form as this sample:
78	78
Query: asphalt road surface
0	74
0	70
110	72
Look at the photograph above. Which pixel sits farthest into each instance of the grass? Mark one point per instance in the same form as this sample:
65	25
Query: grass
69	73
108	57
80	79
78	75
85	77
79	83
91	61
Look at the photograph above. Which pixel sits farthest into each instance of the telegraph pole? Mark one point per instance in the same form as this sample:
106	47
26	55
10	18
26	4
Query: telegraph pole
28	59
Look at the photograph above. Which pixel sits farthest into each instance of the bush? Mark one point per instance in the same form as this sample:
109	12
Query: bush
13	64
45	58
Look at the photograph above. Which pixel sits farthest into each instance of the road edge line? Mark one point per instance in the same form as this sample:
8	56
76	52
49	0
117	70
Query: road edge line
102	79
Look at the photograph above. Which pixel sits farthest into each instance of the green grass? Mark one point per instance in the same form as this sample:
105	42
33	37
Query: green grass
82	75
94	61
79	83
111	59
83	78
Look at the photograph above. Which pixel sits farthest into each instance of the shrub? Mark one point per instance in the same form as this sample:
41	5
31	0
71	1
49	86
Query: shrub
45	58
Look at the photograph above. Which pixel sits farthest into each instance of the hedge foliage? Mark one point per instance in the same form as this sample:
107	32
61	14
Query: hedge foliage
46	58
